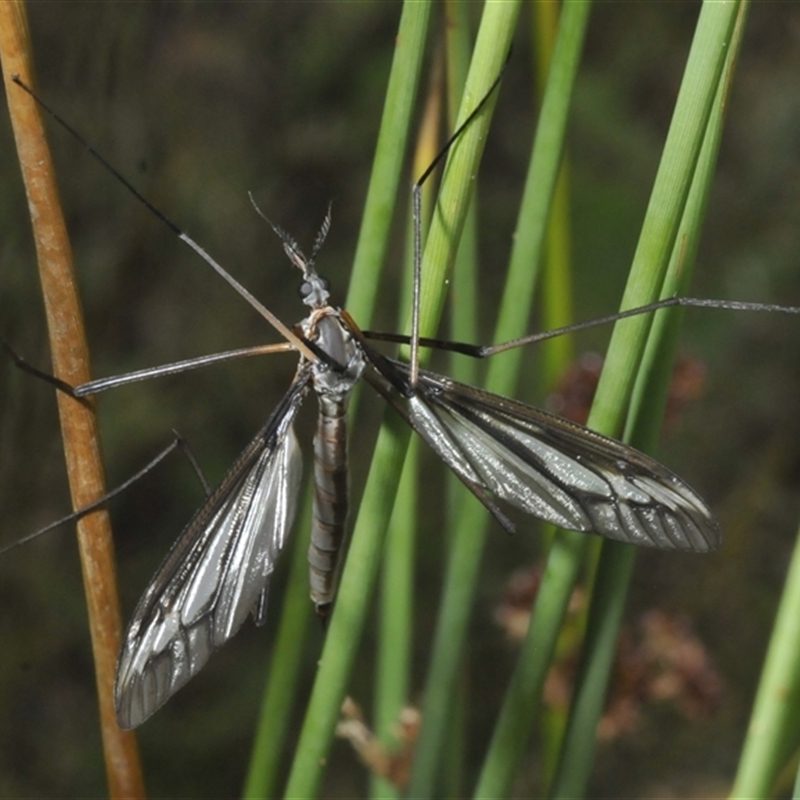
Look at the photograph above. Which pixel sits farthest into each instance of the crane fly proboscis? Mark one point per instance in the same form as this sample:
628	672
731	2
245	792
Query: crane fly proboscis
218	571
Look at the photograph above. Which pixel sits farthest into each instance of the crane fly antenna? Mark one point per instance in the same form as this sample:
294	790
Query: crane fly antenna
284	331
322	235
290	246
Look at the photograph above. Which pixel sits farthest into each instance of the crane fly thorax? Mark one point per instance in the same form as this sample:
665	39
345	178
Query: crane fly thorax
324	327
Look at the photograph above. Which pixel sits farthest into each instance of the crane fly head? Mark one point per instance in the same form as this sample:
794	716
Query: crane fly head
314	290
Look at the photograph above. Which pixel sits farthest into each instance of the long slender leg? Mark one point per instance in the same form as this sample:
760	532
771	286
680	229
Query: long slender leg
22	364
483	351
416	201
177	443
103	384
287	333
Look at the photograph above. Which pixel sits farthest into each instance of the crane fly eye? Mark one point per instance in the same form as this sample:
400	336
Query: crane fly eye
308	288
322	283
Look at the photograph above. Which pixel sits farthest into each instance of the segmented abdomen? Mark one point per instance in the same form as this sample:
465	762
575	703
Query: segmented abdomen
330	500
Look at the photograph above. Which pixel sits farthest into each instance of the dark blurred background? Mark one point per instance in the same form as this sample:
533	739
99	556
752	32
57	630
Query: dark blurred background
198	103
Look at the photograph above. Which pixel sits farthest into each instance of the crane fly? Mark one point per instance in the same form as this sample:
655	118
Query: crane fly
218	571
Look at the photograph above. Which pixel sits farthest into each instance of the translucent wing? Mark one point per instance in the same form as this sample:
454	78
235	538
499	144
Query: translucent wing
216	573
554	469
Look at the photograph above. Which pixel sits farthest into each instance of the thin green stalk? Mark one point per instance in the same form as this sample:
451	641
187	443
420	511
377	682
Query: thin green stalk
649	400
796	792
464	306
463	328
556	303
362	564
284	671
393	665
393	668
650	262
652	388
773	729
773	722
390	150
557	354
467	544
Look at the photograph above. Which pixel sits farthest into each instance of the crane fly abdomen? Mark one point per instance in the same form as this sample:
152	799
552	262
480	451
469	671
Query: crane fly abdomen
330	501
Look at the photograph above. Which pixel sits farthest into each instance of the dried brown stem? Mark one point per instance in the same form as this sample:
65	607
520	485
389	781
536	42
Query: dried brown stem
70	364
